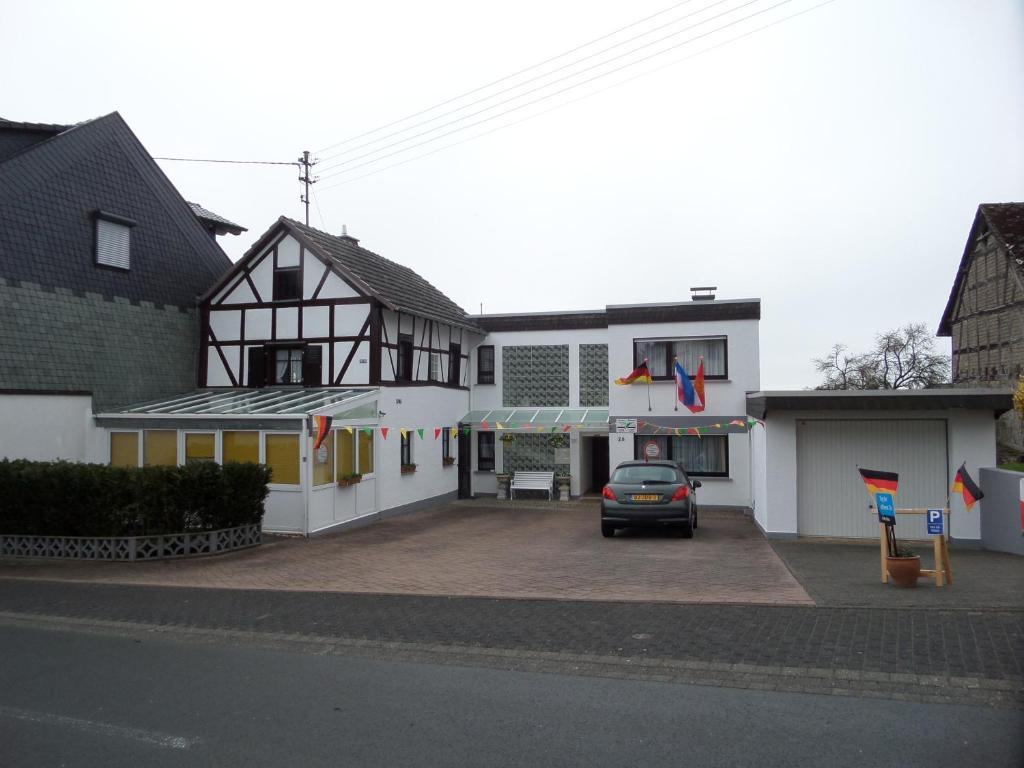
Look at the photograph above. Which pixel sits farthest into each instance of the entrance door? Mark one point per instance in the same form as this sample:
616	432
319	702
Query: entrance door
465	464
599	463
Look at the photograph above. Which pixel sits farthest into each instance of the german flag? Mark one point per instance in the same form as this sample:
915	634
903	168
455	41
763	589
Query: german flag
878	481
963	484
322	425
640	375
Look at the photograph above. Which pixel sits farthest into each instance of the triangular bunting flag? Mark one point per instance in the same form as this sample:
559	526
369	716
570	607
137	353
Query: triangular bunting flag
349	430
384	432
420	433
455	431
368	431
437	432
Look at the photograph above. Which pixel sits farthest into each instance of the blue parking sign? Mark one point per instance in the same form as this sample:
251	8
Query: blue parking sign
935	522
886	507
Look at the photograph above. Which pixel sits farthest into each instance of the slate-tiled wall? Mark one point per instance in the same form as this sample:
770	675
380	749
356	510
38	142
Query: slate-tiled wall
535	375
593	375
122	352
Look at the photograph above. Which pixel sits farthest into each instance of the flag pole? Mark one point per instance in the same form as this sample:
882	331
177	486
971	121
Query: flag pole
675	385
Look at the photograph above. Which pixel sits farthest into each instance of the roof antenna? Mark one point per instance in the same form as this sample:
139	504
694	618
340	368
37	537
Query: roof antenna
481	307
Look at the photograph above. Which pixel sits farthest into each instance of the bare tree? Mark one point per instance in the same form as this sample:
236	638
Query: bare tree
904	358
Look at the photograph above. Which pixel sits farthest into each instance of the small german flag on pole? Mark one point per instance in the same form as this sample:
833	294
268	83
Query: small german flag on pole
963	484
878	481
640	375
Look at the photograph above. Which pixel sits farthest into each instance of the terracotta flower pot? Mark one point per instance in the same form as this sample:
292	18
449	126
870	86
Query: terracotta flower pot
903	570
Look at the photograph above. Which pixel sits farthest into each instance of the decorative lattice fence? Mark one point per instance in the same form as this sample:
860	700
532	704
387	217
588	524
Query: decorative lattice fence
171	545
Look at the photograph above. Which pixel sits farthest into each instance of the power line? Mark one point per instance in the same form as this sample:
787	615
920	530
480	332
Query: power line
546	96
542	75
235	162
580	98
506	77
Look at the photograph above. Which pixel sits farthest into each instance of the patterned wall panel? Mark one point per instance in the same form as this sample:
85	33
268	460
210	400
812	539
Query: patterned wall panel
535	375
530	453
593	375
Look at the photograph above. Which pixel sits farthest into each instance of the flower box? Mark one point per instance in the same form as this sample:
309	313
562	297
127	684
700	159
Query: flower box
408	469
349	480
448	461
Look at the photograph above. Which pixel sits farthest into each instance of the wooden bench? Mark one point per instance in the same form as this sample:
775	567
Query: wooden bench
532	481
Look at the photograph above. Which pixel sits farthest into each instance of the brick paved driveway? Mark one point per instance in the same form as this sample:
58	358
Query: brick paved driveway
478	549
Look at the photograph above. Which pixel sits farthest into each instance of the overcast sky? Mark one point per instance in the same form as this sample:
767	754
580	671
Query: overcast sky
830	164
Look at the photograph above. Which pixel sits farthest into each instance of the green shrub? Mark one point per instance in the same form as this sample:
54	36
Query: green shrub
65	499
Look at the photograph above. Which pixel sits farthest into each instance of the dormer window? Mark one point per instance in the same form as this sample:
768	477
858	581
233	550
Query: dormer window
113	240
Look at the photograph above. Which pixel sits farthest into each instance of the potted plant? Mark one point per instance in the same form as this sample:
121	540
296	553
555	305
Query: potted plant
558	441
508	438
503	479
447	461
408	469
903	566
562	479
350	479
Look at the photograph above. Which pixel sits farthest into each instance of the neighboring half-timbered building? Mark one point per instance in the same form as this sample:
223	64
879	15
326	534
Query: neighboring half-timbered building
985	312
303	307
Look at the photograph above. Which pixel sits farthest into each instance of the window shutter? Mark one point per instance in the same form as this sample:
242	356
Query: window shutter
257	368
112	244
312	366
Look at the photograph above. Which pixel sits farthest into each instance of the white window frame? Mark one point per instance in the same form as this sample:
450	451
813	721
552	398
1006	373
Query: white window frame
139	441
106	225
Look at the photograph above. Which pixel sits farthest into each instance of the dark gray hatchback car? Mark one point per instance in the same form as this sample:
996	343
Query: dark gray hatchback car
649	493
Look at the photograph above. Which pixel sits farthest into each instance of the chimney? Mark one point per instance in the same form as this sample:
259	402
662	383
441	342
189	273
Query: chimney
346	236
703	292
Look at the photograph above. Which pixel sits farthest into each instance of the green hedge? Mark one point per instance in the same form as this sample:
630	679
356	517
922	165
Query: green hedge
60	498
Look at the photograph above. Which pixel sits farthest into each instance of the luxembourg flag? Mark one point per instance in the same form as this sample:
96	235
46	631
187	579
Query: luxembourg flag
690	393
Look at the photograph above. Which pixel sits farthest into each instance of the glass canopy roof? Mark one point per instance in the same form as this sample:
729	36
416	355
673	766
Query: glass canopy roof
530	419
251	402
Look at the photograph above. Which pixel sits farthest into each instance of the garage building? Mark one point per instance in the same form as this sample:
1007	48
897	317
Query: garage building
805	458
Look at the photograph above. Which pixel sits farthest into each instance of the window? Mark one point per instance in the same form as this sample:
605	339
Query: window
241	447
704	456
485	365
160	448
124	449
446	444
113	240
406	449
282	452
660	354
345	456
323	461
435	366
287	284
287	365
454	364
404	368
365	452
485	451
199	446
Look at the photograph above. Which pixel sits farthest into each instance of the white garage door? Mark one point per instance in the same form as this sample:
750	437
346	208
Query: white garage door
831	500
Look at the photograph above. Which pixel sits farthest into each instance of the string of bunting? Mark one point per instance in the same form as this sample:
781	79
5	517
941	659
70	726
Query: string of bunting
320	428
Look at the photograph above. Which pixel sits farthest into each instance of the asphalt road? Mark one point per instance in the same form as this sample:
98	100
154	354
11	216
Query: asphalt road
80	699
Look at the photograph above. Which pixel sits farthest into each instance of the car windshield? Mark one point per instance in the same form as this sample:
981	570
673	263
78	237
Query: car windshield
640	473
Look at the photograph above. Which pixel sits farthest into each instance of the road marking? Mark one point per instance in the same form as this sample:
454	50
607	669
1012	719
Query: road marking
155	738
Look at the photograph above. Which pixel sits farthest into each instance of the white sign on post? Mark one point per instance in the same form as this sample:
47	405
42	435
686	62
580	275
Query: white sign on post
652	450
627	426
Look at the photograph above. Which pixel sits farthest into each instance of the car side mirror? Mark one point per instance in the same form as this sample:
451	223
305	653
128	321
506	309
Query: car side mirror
696	484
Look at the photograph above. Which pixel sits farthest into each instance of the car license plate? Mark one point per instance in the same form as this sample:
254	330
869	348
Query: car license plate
646	497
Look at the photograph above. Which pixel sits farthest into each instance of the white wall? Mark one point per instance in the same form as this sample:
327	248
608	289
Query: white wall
48	427
723	398
970	438
414	407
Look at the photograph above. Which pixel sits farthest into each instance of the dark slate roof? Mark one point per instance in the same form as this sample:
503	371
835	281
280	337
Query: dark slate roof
1006	223
49	193
221	225
761	403
396	286
6	124
624	314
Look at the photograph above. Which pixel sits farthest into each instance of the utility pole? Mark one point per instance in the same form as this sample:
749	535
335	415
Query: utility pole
307	179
